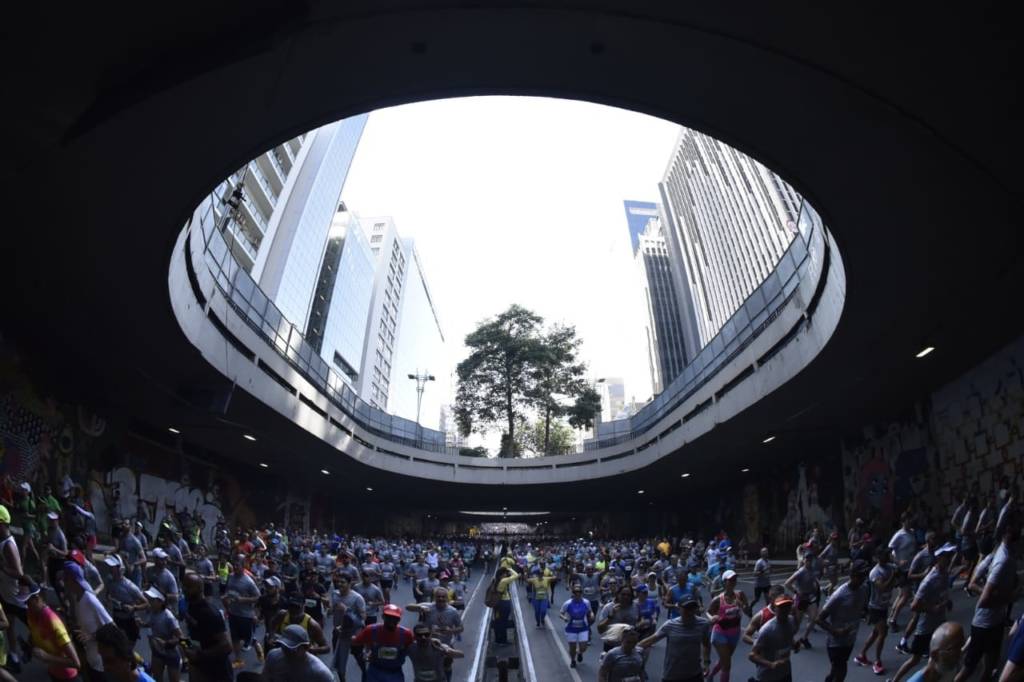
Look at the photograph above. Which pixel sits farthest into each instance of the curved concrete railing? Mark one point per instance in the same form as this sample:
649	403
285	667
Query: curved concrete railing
232	324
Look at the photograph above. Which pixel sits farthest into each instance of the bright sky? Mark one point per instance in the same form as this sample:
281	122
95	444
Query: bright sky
519	200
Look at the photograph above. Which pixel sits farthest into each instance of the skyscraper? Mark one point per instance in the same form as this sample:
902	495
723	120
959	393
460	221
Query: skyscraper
288	270
341	300
666	349
403	331
613	398
729	220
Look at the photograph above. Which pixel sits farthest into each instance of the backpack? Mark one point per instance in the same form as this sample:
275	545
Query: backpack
492	597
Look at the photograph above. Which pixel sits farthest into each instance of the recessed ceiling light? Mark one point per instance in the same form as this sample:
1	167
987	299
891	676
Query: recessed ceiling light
769	439
639	492
686	475
743	471
264	465
369	489
325	472
248	437
925	351
173	430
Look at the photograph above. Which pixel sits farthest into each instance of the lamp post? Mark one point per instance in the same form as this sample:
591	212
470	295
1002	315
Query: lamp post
421	383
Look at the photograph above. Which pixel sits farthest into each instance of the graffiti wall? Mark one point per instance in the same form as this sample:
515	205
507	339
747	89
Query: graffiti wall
969	435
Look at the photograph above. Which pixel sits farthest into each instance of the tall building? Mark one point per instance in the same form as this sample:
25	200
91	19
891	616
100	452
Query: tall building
287	265
613	398
341	301
729	220
666	351
403	331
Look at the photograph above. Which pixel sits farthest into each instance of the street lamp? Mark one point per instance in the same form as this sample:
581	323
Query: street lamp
421	383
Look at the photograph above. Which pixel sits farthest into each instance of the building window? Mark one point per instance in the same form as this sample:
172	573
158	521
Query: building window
378	227
376	238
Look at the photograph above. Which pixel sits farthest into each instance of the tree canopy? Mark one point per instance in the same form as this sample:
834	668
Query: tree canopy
516	368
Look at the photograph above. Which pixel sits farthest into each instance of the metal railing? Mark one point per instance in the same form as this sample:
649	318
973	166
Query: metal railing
759	309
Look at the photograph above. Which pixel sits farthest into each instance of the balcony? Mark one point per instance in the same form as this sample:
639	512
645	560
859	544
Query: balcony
272	171
258	187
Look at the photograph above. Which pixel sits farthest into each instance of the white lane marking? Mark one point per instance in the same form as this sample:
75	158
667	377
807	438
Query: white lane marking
477	588
531	674
561	648
485	621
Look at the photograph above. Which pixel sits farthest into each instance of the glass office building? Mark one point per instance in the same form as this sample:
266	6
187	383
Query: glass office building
341	301
289	270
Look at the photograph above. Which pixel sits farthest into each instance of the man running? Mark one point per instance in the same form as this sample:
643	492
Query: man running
623	663
805	583
762	577
774	643
840	618
387	645
687	645
945	650
931	601
988	627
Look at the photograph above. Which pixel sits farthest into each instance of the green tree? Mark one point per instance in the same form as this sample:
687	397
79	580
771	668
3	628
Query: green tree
583	410
496	380
551	438
558	377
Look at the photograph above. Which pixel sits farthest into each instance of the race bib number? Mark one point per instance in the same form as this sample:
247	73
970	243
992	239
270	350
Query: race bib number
311	603
578	623
426	676
387	653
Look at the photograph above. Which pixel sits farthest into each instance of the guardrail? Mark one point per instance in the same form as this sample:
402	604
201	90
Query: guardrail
803	257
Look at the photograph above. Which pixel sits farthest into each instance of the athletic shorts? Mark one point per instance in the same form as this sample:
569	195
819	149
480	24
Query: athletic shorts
839	655
729	637
803	601
241	628
876	615
695	678
386	583
920	645
983	641
578	636
171	660
758	591
901	580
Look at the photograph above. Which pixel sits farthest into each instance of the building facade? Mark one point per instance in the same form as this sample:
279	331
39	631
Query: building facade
287	265
666	347
728	221
341	301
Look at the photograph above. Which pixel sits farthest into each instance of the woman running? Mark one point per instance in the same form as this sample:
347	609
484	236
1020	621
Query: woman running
725	613
578	616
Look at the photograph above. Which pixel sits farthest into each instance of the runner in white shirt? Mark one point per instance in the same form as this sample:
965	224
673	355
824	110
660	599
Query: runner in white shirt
904	546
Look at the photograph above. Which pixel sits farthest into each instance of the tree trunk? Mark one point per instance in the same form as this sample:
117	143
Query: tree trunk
511	419
547	429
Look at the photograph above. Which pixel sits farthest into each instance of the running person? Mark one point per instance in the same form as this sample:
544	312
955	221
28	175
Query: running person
540	582
622	611
763	577
931	601
904	546
919	567
578	615
882	578
726	613
387	577
805	583
840	618
687	645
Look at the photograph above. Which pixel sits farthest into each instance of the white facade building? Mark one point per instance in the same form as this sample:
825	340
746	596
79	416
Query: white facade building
730	219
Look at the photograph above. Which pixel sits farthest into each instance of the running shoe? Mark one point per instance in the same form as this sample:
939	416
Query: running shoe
572	663
579	657
877	668
902	646
861	660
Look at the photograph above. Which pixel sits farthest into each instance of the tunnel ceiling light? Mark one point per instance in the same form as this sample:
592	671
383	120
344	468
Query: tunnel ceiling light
639	492
769	439
264	465
249	437
325	472
686	475
173	430
744	470
925	351
369	489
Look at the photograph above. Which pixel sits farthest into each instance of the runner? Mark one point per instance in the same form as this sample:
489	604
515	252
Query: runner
988	627
763	577
623	663
945	649
348	616
293	660
387	645
387	576
774	642
443	620
687	646
829	559
622	611
840	618
540	584
904	547
882	578
805	583
240	600
164	638
578	616
918	569
931	601
124	598
650	610
725	613
373	597
764	615
429	654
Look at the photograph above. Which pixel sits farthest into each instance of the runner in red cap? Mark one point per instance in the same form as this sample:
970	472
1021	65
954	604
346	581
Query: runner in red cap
387	645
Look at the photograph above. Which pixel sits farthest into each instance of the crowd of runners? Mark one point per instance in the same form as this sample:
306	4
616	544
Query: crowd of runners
305	604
